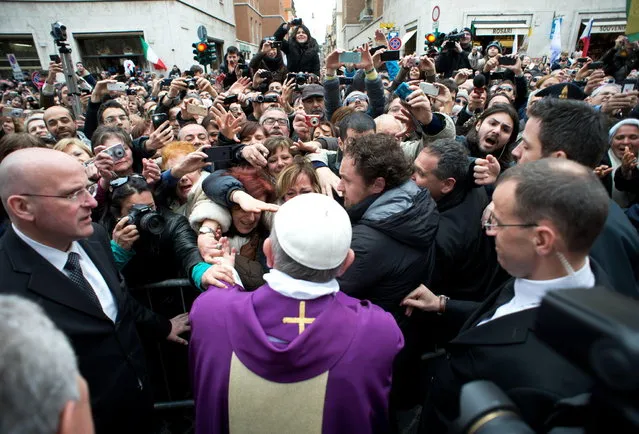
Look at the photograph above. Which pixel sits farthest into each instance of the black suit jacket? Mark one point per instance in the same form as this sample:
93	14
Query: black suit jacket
110	355
507	352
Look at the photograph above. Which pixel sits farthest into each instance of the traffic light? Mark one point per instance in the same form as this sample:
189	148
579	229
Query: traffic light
205	52
200	51
432	40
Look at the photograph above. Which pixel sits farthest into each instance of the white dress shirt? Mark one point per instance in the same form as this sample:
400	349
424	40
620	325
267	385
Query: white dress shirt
58	259
528	293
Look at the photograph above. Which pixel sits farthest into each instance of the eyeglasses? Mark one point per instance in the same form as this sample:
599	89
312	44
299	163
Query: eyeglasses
112	119
491	224
461	101
119	182
72	197
271	121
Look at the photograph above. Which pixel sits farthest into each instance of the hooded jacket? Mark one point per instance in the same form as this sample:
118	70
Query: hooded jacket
394	244
299	57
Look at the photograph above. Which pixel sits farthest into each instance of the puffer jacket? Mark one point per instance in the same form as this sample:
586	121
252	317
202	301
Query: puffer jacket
394	244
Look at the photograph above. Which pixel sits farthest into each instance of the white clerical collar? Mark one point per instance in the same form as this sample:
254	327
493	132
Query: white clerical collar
299	289
56	257
532	291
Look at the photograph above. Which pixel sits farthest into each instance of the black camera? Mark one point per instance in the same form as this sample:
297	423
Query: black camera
191	83
59	32
597	331
300	77
265	98
296	22
265	74
146	219
244	69
130	92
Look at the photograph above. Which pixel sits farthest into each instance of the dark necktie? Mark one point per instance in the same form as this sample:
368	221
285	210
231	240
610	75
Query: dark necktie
75	274
506	294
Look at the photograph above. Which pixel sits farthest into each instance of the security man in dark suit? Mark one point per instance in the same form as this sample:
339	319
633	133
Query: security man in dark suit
546	217
54	255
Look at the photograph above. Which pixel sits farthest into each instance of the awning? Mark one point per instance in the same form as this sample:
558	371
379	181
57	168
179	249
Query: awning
501	28
607	26
407	36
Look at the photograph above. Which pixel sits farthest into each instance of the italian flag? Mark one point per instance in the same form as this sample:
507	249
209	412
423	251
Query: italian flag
150	55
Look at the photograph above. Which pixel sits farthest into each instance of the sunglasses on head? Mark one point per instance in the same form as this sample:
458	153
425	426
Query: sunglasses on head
119	182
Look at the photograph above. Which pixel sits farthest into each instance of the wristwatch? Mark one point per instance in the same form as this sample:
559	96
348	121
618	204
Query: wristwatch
206	230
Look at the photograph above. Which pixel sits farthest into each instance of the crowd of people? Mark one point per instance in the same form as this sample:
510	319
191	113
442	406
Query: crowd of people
360	239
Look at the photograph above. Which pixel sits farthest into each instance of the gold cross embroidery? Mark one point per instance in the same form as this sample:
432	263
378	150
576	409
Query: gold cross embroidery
301	320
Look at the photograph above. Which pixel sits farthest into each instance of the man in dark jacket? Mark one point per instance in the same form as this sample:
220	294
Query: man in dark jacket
52	254
621	59
302	50
229	68
545	248
394	226
454	55
465	258
394	223
563	128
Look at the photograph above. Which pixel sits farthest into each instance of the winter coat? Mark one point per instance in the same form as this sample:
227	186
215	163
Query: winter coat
394	244
299	58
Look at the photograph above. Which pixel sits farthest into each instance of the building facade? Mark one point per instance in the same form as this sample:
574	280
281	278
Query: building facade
103	35
257	19
510	22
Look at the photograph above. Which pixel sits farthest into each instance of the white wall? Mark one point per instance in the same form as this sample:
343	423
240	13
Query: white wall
168	26
458	14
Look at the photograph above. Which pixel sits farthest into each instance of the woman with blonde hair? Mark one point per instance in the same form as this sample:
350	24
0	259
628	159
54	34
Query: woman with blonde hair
298	178
76	148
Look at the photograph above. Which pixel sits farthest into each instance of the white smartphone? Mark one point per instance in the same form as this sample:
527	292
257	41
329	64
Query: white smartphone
116	87
429	88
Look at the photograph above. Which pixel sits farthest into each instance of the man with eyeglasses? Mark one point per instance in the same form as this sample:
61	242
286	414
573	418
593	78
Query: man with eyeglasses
111	113
54	255
275	122
544	247
565	128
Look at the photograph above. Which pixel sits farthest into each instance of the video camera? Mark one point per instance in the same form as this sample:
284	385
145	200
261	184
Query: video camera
58	32
596	330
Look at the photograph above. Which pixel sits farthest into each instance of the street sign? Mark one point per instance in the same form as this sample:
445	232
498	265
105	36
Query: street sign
201	33
17	71
36	79
395	44
393	34
435	14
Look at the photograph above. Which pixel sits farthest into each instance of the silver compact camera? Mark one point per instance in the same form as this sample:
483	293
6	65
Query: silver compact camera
117	152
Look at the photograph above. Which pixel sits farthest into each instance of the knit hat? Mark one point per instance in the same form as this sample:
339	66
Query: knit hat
497	45
351	97
313	230
462	93
615	127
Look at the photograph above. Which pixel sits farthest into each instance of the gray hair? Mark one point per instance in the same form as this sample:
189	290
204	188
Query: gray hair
287	265
453	159
38	369
271	109
33	117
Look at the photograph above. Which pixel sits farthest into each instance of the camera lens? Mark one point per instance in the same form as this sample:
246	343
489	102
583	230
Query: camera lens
153	223
119	153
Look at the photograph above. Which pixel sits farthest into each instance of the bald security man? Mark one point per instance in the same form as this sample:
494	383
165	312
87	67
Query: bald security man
54	255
